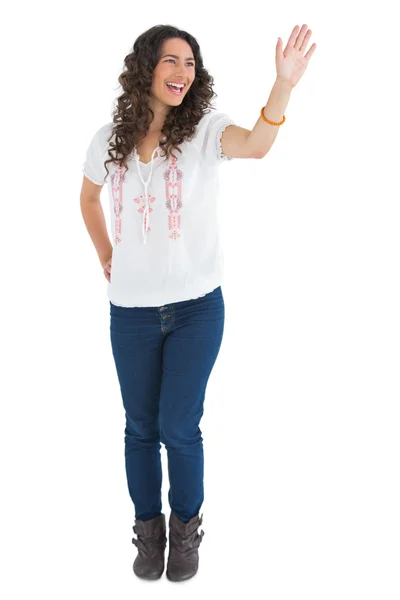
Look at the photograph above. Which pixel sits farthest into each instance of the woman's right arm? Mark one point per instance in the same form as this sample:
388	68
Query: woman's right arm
93	216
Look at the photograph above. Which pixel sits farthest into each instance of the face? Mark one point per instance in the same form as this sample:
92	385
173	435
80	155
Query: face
179	68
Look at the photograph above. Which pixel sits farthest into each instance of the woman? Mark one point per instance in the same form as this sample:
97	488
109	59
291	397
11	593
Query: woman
160	159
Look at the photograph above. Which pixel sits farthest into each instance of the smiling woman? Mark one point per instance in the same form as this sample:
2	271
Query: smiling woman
165	266
174	57
175	71
164	148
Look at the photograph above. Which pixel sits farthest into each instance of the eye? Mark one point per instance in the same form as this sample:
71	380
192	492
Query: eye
171	59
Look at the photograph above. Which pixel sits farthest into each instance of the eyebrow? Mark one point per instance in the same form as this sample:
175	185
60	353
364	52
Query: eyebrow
177	57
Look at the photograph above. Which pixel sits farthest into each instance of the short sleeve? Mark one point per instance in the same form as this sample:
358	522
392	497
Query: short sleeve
212	146
93	166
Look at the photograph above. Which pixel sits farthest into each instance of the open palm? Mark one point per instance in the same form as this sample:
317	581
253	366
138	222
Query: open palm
290	62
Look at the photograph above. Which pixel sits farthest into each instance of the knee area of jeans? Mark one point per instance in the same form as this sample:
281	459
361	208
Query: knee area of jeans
176	437
142	428
143	435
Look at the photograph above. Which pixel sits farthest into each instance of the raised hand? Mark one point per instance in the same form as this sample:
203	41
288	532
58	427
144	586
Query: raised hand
291	62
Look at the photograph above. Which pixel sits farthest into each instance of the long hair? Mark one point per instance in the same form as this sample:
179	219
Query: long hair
132	115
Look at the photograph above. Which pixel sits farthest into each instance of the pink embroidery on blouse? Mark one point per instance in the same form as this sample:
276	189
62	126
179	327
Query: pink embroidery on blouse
117	180
173	191
142	201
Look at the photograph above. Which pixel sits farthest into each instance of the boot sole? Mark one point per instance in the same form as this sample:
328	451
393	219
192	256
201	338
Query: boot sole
181	579
151	578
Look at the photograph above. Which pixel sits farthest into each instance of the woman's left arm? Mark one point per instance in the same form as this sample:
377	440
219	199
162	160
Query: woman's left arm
290	67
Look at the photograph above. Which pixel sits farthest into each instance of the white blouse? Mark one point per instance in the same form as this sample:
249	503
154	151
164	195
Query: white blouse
164	217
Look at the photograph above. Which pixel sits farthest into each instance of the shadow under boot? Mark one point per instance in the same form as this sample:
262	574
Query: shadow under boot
184	541
151	543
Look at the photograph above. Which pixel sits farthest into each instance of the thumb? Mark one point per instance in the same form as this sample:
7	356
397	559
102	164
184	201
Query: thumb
279	52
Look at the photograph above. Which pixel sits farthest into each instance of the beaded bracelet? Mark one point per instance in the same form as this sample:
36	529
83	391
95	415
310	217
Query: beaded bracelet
271	122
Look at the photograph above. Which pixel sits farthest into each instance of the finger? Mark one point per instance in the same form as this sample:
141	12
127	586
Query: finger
278	52
305	41
310	52
300	37
292	37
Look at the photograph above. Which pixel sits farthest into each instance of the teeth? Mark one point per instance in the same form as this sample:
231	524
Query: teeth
178	85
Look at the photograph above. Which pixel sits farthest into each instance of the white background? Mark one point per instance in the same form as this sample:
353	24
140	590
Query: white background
301	423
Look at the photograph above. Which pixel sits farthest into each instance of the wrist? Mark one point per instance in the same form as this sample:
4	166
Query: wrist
104	257
283	84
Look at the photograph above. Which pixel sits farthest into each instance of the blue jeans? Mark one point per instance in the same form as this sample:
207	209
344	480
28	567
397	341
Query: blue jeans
164	357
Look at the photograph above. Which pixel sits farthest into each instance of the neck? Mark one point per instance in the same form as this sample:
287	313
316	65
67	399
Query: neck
160	111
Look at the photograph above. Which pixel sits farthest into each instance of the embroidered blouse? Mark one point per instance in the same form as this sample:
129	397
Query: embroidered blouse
164	217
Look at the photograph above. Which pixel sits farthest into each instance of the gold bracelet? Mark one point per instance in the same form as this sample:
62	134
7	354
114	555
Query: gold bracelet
271	122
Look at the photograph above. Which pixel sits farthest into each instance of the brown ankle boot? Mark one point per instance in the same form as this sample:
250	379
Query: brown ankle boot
184	541
151	542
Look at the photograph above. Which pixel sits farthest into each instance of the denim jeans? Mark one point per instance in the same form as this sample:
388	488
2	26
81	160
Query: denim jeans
164	357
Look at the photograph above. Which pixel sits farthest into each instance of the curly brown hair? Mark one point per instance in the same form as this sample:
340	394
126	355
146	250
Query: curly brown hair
132	115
